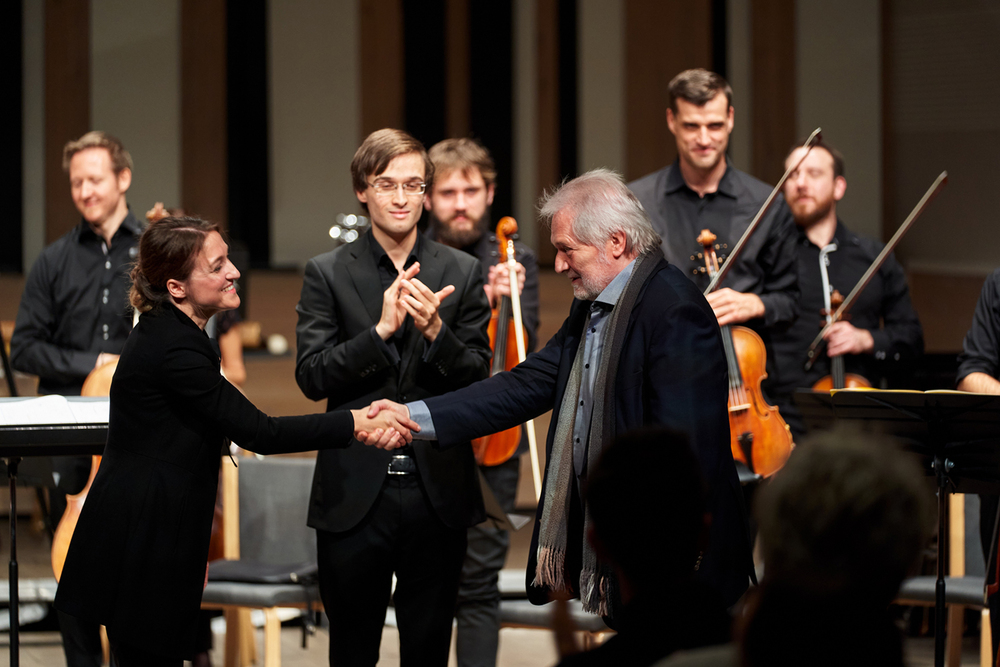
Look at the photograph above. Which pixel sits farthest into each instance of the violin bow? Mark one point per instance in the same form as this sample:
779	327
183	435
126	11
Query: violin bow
816	135
515	302
931	193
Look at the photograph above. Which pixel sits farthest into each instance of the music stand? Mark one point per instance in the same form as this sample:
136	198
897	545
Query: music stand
21	440
957	433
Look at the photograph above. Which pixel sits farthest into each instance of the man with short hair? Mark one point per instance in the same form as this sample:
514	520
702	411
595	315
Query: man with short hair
702	190
74	314
640	347
369	328
882	336
459	203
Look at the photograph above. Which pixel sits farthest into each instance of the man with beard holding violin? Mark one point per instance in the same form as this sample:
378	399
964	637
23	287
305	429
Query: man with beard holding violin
459	202
883	335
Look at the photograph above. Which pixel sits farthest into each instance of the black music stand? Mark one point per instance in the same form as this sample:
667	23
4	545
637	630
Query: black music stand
958	435
19	441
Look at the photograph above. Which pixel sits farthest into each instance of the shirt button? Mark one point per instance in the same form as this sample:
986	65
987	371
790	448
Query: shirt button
581	402
107	264
105	335
586	365
104	328
104	299
594	330
578	439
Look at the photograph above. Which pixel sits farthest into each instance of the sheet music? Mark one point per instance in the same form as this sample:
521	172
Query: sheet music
53	410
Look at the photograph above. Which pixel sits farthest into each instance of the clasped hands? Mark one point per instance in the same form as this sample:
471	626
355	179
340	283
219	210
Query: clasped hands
408	296
384	424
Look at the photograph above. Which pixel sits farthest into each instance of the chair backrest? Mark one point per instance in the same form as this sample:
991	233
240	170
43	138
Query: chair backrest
973	564
274	500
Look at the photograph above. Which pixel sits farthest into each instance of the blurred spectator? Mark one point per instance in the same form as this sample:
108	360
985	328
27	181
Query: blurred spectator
654	553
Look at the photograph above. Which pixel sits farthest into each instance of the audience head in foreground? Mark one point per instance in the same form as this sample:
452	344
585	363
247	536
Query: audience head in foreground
654	553
841	526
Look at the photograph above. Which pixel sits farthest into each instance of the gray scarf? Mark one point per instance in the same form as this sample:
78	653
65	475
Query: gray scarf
598	585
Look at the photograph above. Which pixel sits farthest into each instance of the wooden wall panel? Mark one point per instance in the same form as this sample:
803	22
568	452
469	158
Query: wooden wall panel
772	35
382	85
204	177
547	45
664	39
67	104
457	76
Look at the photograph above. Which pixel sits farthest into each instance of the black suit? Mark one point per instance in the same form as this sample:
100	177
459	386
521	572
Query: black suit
340	359
137	560
672	372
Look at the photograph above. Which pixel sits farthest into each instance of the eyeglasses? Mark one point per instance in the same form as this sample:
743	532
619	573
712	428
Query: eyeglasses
388	188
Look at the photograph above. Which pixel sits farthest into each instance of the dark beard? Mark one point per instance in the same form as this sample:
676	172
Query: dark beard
817	215
457	239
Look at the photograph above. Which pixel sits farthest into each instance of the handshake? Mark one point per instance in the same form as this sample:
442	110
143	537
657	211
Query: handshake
384	424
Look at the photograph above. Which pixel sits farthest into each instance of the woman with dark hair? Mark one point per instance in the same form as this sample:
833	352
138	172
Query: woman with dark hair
138	556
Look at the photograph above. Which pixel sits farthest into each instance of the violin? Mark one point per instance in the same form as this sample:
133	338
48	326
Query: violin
492	450
759	437
837	379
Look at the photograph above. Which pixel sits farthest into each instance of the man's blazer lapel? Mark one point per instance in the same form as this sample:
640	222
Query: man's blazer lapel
365	276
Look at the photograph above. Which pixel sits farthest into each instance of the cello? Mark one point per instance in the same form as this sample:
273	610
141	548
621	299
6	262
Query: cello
759	437
508	351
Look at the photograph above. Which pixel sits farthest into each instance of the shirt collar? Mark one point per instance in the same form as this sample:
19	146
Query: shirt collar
378	252
609	295
129	225
727	185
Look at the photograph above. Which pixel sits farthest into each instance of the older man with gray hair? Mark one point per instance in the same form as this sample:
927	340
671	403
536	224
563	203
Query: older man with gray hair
641	347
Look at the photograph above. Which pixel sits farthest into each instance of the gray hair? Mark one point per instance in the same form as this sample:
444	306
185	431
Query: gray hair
601	204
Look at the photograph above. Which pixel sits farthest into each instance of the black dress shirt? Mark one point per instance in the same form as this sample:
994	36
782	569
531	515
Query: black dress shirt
981	348
883	308
766	266
75	306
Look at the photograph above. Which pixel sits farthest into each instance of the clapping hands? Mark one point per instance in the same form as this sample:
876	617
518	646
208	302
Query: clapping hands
384	424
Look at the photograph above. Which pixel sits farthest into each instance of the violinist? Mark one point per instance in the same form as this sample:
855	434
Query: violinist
702	190
883	335
137	562
459	204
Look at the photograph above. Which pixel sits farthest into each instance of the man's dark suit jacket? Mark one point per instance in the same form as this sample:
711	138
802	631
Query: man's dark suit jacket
339	360
672	372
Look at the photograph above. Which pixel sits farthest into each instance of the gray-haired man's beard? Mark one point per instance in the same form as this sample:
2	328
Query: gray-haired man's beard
457	238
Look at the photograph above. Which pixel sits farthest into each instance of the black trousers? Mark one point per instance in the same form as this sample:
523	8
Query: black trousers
124	655
478	610
401	534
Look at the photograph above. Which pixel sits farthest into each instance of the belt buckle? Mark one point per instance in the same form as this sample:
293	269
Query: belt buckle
405	465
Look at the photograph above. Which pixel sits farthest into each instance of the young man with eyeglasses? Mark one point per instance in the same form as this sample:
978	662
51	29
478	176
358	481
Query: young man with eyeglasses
392	315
